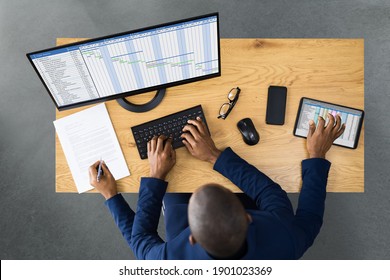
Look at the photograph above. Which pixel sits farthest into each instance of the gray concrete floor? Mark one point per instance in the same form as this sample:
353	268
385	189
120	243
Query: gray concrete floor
37	223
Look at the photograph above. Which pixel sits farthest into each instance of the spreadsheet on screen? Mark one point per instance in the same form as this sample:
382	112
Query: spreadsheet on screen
312	109
130	62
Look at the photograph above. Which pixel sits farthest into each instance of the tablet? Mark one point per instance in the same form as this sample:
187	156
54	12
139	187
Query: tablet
311	109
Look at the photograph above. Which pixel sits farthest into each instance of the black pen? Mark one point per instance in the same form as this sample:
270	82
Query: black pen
99	170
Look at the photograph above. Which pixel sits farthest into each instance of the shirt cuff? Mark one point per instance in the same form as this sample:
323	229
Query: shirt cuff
316	163
223	158
154	180
153	185
115	201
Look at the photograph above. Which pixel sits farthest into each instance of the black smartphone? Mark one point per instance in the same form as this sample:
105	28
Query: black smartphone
276	105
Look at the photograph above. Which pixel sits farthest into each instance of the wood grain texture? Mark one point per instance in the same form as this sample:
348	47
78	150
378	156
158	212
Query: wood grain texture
326	69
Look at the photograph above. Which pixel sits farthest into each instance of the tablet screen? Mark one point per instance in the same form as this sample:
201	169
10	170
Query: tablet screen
311	109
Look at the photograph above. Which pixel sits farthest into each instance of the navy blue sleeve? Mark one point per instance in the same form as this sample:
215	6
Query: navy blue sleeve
311	203
122	214
145	241
268	195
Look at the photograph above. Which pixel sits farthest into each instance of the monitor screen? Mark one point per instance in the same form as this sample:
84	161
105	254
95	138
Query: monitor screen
130	63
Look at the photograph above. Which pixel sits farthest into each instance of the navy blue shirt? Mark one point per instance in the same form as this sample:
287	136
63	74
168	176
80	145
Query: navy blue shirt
275	232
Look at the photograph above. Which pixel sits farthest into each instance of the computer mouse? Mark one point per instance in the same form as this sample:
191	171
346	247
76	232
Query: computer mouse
248	131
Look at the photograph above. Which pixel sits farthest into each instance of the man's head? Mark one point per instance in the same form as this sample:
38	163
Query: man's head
217	220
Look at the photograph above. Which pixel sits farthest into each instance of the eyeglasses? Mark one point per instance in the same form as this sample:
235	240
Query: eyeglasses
232	96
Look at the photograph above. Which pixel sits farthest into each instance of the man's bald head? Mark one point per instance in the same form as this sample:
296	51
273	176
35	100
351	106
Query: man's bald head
217	220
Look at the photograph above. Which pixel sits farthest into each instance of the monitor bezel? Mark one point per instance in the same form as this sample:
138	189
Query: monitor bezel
134	92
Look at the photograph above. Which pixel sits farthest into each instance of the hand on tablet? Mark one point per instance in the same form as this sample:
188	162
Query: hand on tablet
321	138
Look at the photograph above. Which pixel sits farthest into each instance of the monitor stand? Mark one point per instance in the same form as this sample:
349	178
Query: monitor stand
140	108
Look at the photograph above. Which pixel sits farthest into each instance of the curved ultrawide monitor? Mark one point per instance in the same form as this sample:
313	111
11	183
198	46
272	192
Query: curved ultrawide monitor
130	63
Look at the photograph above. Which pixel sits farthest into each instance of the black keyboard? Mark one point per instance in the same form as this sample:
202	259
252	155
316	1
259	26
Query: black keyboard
170	125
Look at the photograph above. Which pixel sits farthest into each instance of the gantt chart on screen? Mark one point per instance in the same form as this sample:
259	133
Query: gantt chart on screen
130	62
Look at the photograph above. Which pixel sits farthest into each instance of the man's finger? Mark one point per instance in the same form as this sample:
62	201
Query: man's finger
193	130
149	147
93	168
312	128
189	138
92	171
160	142
106	171
340	132
198	124
168	145
188	146
153	144
203	124
331	122
338	123
320	124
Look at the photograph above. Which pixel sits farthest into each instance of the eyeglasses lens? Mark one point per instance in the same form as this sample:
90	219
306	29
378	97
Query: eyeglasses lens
232	94
224	109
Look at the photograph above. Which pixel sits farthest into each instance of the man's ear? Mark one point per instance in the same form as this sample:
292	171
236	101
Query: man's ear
249	218
192	240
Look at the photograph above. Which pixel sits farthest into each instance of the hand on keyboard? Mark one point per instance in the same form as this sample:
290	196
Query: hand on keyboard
170	126
198	141
161	155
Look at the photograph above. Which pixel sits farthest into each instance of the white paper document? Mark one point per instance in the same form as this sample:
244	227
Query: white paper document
87	137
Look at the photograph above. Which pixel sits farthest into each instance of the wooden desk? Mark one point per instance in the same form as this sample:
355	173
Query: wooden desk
326	69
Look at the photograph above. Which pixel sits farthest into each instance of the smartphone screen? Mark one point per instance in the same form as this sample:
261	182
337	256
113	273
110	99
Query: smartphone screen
276	105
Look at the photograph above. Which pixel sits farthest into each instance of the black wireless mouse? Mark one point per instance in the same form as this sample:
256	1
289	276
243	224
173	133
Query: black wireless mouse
248	131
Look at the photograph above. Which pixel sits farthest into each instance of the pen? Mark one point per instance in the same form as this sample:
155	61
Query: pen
99	170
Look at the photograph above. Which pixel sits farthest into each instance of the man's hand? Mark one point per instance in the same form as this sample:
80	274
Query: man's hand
162	157
107	184
320	139
198	141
